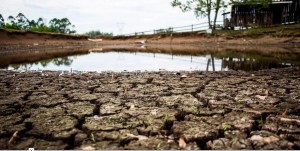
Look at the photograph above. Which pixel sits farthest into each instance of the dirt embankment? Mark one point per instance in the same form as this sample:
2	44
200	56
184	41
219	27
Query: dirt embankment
17	36
280	36
157	110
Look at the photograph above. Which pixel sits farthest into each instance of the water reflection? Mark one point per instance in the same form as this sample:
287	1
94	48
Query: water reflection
64	61
250	64
155	59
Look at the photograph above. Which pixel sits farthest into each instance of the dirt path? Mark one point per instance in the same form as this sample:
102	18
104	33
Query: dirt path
157	110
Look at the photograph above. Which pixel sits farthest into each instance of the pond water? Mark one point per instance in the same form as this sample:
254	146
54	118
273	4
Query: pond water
145	61
123	61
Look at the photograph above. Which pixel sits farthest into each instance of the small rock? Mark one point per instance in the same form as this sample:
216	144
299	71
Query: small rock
139	137
271	139
132	107
261	97
79	138
182	143
256	138
96	117
183	76
88	148
153	112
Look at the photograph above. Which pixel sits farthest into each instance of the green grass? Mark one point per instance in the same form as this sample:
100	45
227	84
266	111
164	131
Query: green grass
274	31
196	110
165	118
260	121
12	31
225	126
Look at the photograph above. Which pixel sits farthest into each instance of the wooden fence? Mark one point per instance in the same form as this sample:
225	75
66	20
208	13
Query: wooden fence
187	28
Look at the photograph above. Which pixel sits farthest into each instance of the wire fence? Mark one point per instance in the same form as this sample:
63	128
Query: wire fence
187	28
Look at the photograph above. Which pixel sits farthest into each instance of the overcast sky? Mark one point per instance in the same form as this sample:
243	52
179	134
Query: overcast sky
104	15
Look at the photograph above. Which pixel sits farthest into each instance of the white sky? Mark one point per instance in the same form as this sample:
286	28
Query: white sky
104	15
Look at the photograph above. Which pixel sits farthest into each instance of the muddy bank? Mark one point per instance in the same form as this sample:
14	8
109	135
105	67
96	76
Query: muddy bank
15	40
21	57
283	36
157	110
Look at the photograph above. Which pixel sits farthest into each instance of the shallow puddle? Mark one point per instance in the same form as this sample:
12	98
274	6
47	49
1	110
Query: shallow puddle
149	60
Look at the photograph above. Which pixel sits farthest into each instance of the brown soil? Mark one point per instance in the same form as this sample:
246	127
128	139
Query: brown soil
157	110
16	40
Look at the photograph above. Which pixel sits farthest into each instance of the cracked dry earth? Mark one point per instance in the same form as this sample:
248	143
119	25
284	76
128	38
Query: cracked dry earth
157	110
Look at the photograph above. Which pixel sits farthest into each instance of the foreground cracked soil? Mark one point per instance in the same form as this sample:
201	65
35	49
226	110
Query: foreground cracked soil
155	110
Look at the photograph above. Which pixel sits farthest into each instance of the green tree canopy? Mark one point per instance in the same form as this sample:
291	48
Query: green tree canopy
202	8
40	22
21	22
12	23
62	25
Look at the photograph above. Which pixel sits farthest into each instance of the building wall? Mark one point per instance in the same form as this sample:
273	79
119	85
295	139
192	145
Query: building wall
257	15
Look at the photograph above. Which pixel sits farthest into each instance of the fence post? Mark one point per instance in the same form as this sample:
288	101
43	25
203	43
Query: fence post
192	27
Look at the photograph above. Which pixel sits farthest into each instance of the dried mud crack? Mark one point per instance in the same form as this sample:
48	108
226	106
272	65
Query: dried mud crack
150	110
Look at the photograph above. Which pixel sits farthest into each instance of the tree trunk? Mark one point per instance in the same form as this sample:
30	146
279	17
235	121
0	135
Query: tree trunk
215	18
208	4
216	14
209	24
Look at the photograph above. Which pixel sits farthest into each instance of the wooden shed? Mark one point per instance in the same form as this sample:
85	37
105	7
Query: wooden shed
278	12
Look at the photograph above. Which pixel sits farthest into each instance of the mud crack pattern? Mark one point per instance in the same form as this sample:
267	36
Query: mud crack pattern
150	110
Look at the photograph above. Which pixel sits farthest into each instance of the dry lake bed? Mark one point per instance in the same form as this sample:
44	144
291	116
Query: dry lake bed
150	110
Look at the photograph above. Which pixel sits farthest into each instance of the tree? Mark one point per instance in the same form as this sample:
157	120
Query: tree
22	22
66	61
40	22
62	26
2	23
12	23
39	26
201	8
19	22
32	24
